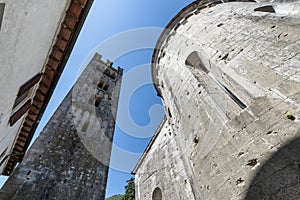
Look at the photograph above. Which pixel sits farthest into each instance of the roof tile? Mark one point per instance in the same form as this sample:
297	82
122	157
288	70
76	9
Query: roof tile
82	2
61	44
65	33
57	54
53	63
49	73
75	10
70	21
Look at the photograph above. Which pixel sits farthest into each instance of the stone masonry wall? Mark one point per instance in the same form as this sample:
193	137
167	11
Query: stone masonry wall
62	163
163	168
229	152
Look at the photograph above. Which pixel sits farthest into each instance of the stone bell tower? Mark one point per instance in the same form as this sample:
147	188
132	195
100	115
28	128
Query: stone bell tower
70	158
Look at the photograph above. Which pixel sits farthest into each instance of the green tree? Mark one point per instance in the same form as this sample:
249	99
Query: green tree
129	190
115	197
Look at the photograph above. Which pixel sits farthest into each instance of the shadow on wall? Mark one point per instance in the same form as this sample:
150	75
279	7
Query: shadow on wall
279	177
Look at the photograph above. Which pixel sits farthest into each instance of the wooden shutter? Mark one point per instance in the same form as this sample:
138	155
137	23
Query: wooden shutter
19	113
26	86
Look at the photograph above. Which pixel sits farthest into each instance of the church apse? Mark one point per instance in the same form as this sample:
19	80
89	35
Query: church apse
228	75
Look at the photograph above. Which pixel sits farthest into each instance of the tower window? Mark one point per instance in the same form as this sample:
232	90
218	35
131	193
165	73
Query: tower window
113	75
97	102
110	74
2	5
105	87
100	85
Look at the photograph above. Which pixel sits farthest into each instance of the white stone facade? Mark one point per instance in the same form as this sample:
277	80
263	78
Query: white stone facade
228	151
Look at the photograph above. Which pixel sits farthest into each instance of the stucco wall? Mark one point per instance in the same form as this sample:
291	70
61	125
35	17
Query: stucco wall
26	36
226	149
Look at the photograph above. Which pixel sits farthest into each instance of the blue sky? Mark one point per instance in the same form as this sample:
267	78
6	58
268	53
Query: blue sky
105	26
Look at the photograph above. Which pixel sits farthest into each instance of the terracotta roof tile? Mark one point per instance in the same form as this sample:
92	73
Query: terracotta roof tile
56	54
46	81
75	9
24	133
65	33
18	148
28	123
61	45
70	22
21	142
49	73
25	130
34	109
33	116
53	63
37	104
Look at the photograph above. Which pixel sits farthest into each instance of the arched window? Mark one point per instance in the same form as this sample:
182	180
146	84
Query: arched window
157	194
105	87
110	74
193	61
98	101
100	84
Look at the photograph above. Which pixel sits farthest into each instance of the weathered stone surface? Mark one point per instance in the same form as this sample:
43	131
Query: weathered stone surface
70	158
222	150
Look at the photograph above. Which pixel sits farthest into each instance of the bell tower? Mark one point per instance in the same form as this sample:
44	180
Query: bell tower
70	158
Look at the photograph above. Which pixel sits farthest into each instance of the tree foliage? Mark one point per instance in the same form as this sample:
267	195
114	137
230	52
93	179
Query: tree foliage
129	190
115	197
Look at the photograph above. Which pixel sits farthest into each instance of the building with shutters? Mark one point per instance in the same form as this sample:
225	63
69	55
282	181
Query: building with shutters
36	39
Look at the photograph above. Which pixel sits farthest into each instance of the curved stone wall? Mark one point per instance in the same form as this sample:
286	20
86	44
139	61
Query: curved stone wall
215	58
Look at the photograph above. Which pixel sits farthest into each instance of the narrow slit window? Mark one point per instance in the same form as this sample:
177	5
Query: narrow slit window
194	61
85	126
269	9
97	102
169	112
2	6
